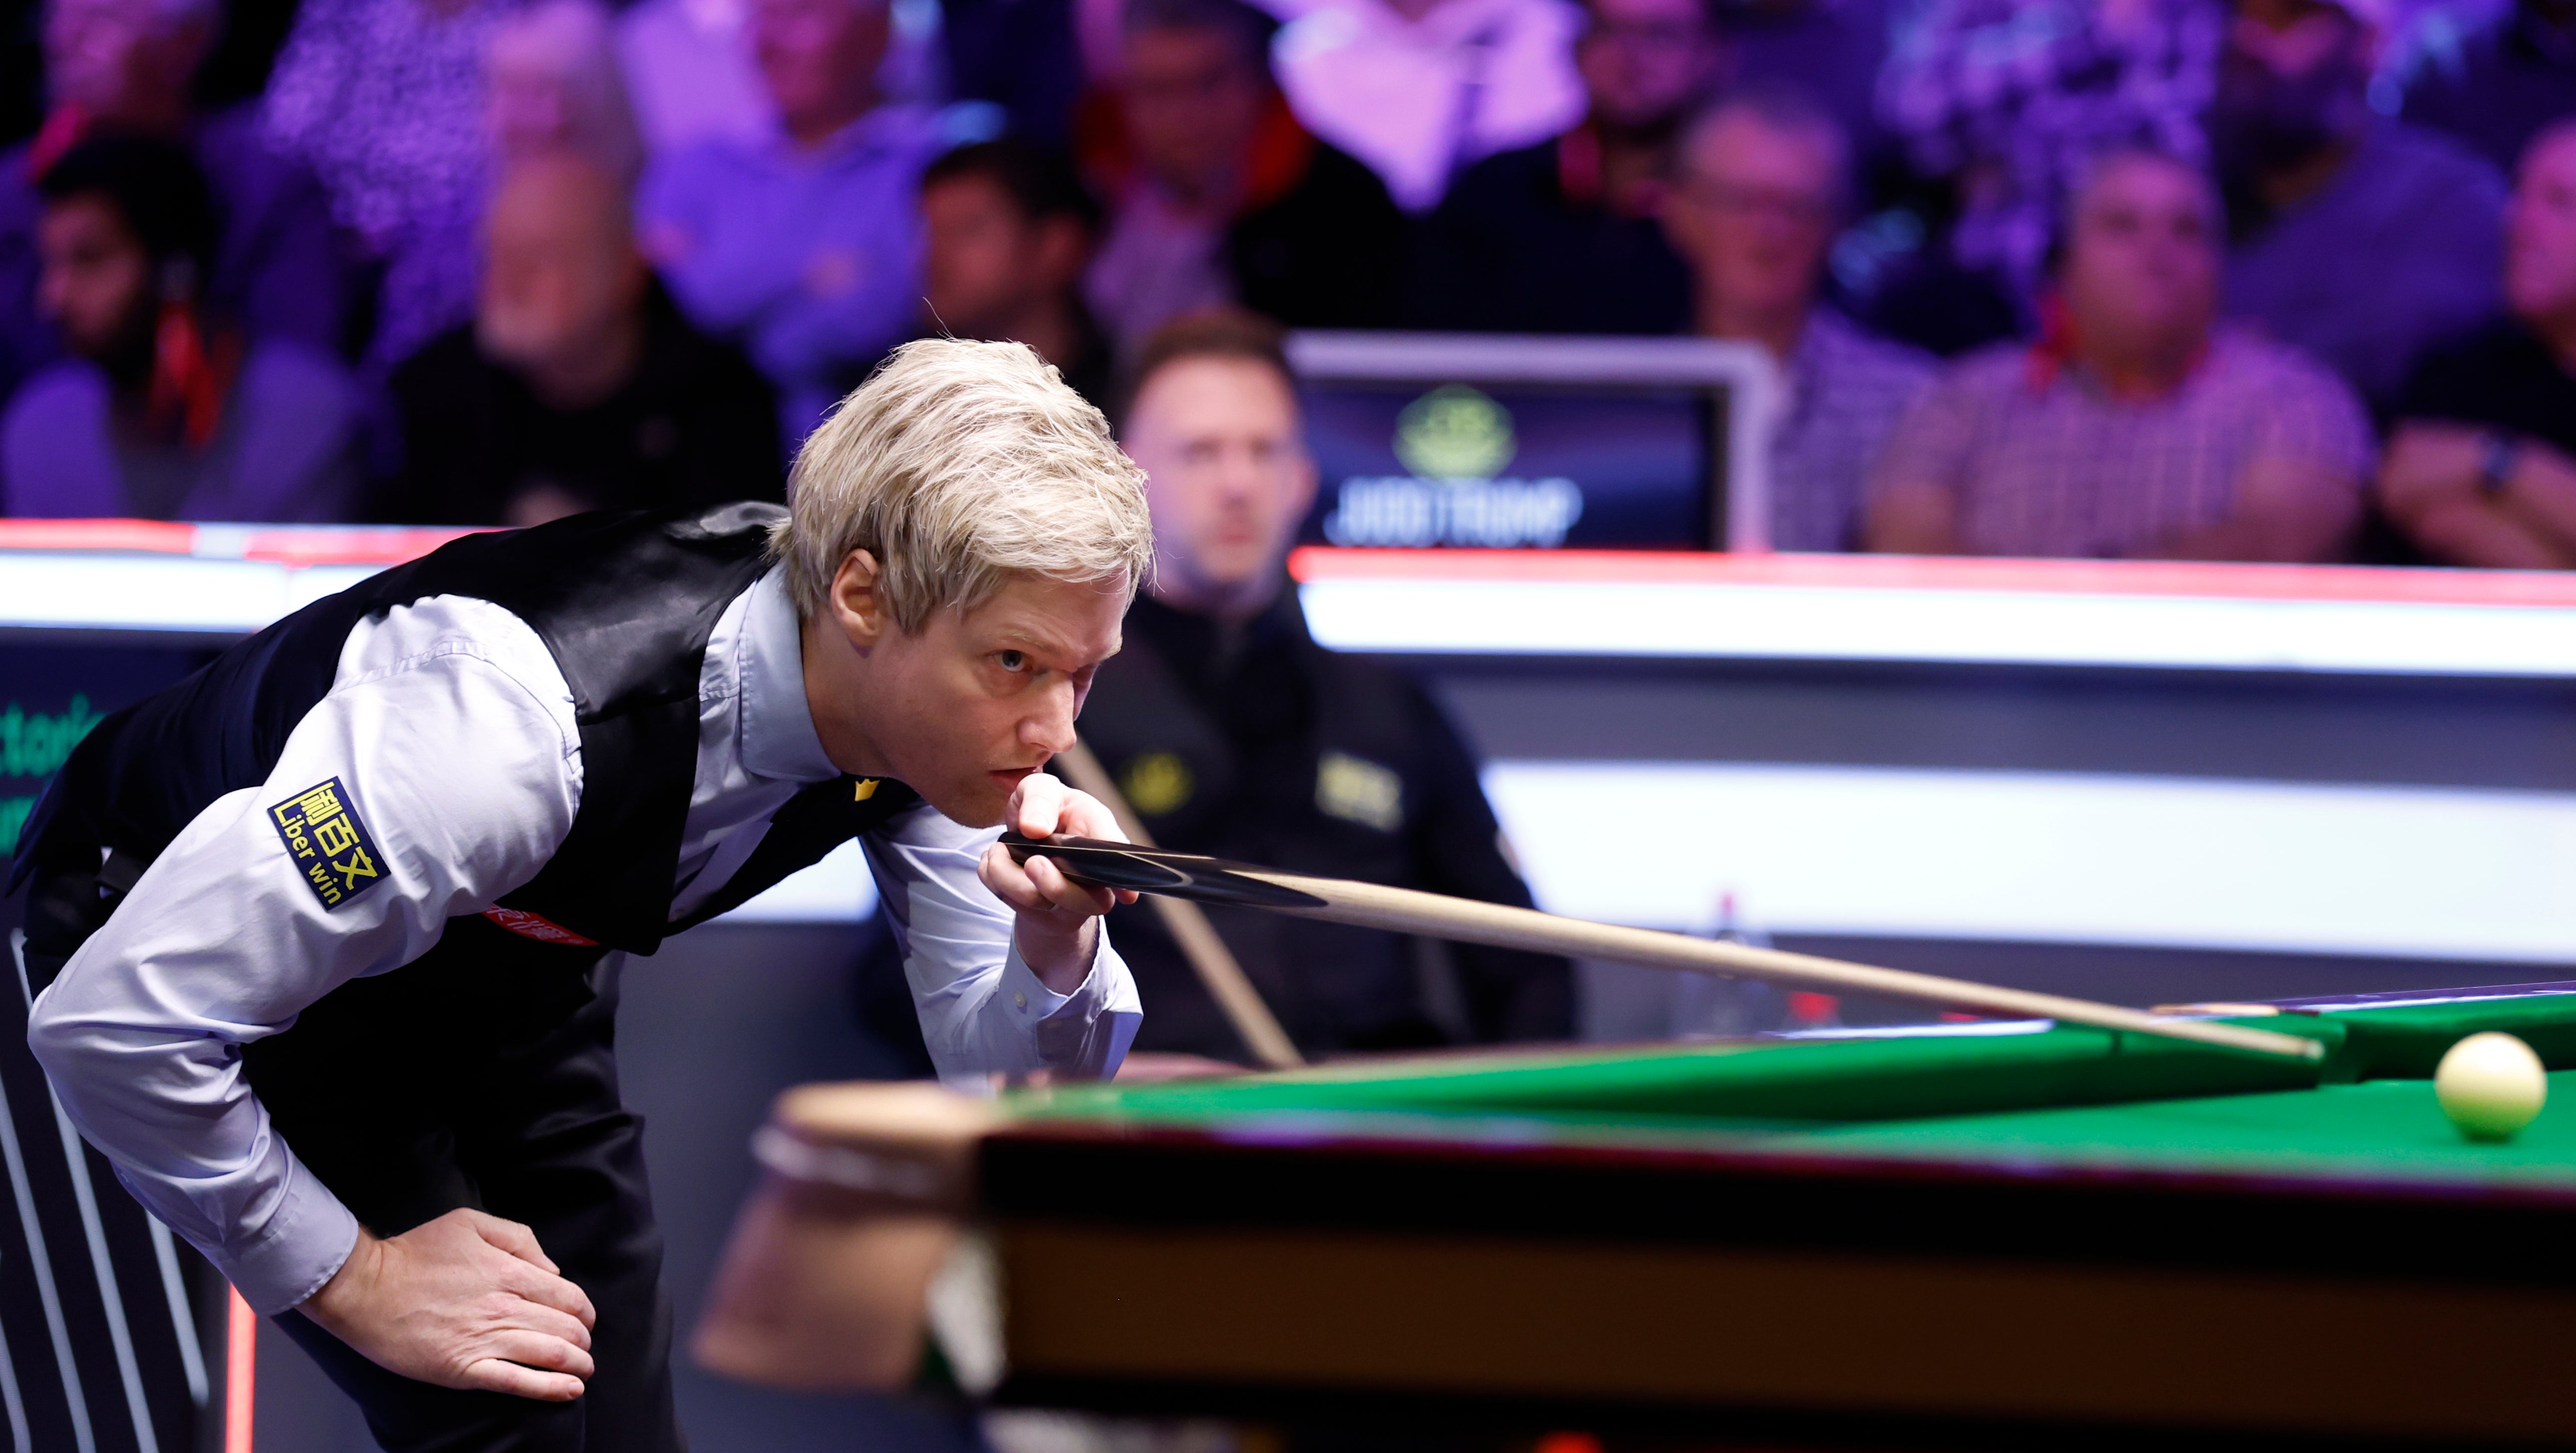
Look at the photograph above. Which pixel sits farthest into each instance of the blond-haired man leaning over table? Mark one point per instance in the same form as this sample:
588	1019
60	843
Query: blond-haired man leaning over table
327	936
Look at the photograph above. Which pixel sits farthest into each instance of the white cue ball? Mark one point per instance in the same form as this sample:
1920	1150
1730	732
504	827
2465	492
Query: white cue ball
2491	1085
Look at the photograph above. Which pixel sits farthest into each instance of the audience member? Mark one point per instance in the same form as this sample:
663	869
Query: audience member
2506	81
689	74
1760	181
125	66
2132	428
1560	237
1419	89
164	409
384	100
2009	99
1233	733
1833	50
552	86
2481	468
578	385
2359	239
1008	229
1220	196
803	248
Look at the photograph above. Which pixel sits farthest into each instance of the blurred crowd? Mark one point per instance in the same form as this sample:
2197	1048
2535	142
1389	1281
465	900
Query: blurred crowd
2221	279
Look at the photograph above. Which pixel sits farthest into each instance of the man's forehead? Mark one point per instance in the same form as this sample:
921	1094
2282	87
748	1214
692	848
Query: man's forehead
1202	393
1076	620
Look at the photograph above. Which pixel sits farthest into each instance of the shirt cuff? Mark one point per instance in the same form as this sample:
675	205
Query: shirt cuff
1084	1033
303	1246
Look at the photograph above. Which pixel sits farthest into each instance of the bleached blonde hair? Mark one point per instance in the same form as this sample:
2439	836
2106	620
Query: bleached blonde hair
960	465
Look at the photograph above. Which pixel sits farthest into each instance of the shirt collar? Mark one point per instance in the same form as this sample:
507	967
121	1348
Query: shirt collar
778	737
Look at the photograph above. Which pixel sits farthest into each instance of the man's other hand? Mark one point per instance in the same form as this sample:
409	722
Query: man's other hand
1055	929
466	1301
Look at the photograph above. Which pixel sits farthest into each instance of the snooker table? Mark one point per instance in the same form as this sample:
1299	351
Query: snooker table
1990	1234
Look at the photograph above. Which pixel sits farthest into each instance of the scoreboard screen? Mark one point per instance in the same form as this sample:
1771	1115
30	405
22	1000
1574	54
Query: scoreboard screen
1483	441
1503	467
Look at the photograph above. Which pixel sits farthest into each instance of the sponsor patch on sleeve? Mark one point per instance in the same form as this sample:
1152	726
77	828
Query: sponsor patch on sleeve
330	846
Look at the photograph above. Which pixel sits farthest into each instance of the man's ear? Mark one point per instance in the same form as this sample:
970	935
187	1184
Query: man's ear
857	602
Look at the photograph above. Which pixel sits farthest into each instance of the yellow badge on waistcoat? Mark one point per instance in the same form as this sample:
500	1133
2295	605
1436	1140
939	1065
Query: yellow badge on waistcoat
1157	783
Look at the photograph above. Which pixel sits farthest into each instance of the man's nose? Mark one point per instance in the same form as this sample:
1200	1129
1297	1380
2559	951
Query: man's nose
1050	726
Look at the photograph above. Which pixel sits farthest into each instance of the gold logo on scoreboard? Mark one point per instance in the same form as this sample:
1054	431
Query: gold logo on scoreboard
1455	432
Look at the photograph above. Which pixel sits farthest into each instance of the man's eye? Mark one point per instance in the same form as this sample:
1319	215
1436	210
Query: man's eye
1012	660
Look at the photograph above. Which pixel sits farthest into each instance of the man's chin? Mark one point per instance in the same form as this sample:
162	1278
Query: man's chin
971	804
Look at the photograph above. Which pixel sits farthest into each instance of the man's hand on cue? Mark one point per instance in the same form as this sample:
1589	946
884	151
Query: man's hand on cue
1056	930
466	1301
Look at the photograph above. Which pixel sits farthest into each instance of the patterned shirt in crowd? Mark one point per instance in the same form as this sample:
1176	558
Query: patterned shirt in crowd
2015	96
1846	390
2046	465
384	100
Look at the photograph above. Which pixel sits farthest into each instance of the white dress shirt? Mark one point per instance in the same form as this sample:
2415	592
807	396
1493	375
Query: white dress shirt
452	732
1418	100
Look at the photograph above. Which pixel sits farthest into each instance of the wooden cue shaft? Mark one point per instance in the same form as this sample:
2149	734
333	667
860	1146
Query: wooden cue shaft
1188	924
1403	910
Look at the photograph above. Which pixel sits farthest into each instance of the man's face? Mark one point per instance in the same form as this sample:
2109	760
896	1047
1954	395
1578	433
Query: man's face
978	699
106	55
2291	81
2141	270
96	282
1227	475
985	263
1192	99
1644	61
818	58
559	271
2540	232
1753	211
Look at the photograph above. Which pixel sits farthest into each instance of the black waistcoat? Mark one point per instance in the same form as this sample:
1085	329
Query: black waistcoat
624	601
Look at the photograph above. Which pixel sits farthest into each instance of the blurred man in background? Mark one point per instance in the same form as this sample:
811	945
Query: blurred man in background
2481	467
2503	83
1007	231
2359	239
804	249
125	66
1231	732
165	409
1760	183
1561	237
1219	196
2132	428
578	386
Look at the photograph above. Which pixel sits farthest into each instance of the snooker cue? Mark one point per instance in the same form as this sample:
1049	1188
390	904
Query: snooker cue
1406	910
1188	924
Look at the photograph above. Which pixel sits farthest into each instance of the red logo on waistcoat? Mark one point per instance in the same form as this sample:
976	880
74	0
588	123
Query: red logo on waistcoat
537	926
